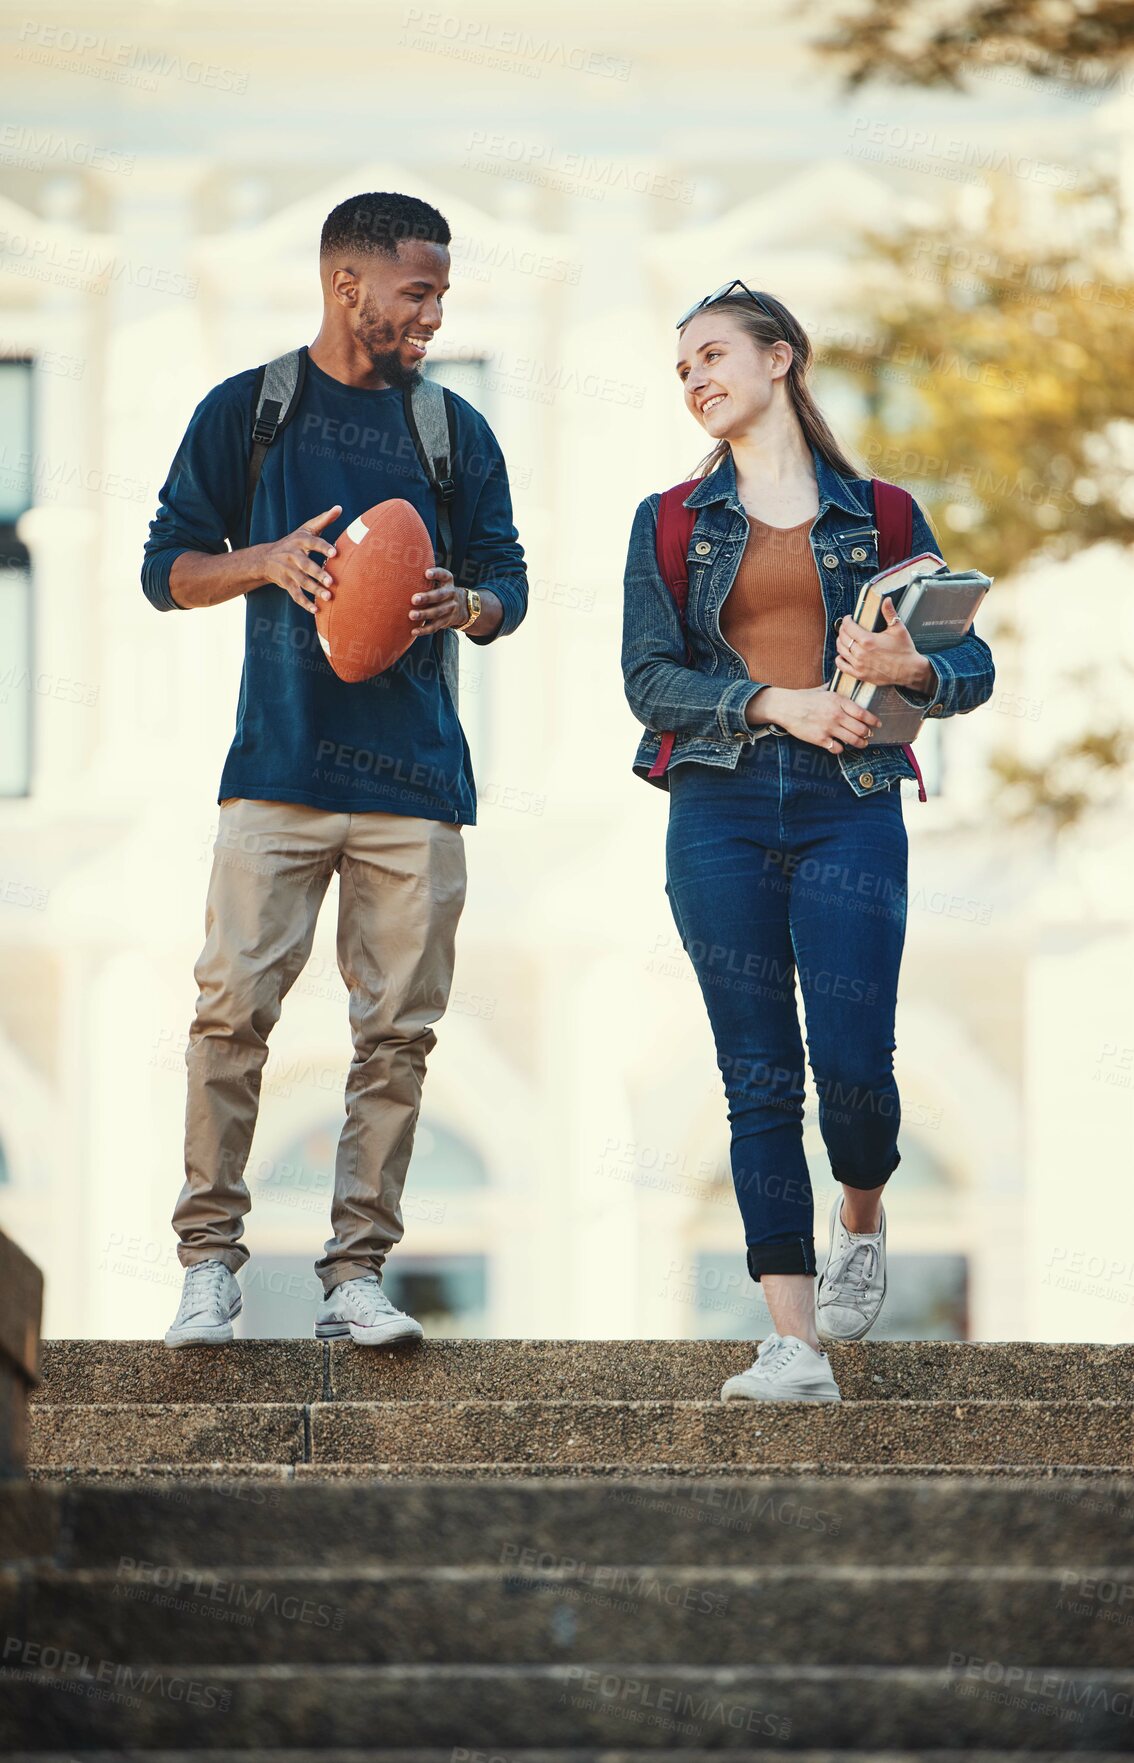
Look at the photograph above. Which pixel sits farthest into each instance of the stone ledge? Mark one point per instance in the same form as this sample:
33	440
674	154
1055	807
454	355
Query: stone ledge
310	1371
215	1513
278	1707
748	1434
21	1305
138	1433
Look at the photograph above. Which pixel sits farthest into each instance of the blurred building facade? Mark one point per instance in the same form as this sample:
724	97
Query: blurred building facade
571	1171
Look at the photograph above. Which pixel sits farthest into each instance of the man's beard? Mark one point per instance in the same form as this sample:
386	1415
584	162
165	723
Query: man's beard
379	339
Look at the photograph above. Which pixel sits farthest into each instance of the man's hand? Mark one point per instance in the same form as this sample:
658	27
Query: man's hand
883	658
444	604
287	564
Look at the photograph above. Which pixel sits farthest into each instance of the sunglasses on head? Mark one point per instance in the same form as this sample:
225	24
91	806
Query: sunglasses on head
711	300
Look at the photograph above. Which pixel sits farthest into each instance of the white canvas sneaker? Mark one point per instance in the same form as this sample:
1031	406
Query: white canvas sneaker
360	1308
785	1369
853	1283
210	1298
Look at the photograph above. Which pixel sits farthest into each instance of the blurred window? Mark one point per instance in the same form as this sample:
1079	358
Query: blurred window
16	660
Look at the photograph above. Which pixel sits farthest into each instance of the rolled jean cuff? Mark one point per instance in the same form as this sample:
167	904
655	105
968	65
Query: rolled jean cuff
859	1181
788	1255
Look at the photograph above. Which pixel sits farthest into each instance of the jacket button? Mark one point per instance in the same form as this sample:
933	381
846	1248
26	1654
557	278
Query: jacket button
830	561
858	554
702	547
866	778
935	710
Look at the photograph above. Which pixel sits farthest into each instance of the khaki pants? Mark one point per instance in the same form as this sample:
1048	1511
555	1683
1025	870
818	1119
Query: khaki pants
401	891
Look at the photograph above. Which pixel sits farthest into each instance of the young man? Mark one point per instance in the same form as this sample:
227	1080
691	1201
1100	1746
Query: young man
371	780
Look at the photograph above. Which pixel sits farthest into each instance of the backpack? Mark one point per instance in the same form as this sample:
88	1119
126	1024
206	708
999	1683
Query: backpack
893	516
430	419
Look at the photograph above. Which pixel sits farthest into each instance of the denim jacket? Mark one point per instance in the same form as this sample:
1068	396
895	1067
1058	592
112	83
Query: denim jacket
704	703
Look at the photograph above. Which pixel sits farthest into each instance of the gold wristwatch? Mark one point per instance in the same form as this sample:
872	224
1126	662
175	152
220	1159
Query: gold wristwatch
474	609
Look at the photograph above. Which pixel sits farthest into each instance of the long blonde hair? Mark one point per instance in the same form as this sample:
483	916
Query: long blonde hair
784	327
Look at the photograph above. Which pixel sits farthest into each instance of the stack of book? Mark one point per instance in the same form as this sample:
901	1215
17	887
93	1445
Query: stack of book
937	606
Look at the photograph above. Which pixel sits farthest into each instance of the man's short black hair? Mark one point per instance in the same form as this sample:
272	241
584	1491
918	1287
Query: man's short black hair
379	222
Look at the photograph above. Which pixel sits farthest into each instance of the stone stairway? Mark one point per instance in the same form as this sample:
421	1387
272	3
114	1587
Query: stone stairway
530	1552
299	1408
848	1617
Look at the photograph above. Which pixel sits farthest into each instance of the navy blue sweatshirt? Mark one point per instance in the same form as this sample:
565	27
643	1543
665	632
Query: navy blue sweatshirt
392	743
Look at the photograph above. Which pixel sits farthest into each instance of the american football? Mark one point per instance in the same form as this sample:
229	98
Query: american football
379	565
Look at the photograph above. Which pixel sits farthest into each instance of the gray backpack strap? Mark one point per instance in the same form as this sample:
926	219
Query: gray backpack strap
432	427
429	418
275	398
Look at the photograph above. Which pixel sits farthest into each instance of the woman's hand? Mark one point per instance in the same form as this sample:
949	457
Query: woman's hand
813	714
882	658
440	606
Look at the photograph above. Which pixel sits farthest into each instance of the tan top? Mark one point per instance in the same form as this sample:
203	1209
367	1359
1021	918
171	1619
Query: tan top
773	615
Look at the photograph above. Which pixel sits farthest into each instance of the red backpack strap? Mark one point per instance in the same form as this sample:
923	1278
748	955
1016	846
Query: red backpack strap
893	516
675	528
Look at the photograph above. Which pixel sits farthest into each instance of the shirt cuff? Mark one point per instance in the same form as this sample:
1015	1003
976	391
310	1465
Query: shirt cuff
925	700
514	606
731	719
155	579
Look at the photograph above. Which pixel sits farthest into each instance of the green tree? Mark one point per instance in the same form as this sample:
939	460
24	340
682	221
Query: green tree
1060	42
997	379
997	369
997	388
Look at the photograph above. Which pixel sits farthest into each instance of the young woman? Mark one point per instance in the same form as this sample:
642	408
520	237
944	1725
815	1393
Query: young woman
786	845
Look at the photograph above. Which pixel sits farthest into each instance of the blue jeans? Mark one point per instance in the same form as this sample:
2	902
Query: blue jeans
774	870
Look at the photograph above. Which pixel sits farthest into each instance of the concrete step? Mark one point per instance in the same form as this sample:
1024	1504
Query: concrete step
638	1708
774	1522
174	1432
159	1473
632	1435
640	1433
465	1754
533	1610
622	1371
149	1371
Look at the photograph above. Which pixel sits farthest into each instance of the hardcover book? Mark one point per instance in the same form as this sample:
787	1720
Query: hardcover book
937	606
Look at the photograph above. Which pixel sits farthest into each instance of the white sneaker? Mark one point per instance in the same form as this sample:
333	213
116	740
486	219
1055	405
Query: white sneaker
360	1308
785	1369
210	1298
853	1283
